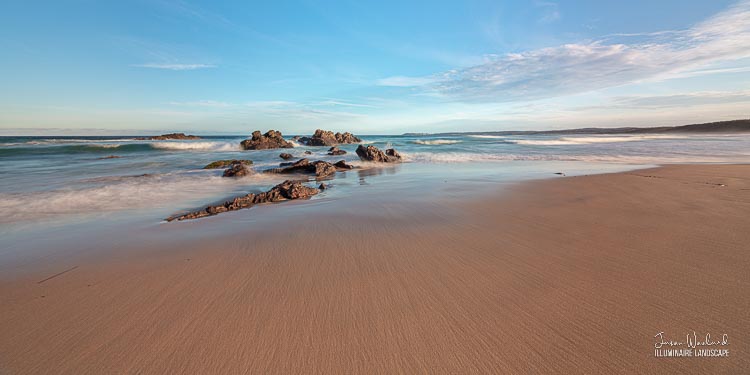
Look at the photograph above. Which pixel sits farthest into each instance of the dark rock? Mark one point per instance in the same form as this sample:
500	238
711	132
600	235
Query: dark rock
284	191
322	186
272	139
225	163
319	168
336	151
328	138
110	157
285	156
237	170
373	154
308	152
170	136
347	137
324	169
341	164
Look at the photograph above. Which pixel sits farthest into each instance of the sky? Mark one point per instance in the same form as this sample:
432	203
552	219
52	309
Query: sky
377	67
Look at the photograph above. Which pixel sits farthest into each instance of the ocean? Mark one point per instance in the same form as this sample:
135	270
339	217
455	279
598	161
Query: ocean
53	183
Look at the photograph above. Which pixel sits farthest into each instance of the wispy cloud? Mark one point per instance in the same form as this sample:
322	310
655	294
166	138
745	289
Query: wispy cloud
402	81
169	66
550	11
641	102
593	65
203	103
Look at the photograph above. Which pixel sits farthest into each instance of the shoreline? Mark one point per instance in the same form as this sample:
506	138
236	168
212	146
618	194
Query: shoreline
573	274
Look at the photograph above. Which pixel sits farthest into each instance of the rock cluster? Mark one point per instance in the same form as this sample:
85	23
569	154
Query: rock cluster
319	168
272	139
373	154
225	163
286	190
328	138
170	136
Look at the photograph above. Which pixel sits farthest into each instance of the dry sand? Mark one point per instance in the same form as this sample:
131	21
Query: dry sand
573	275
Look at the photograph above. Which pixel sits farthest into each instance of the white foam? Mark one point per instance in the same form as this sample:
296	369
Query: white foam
488	136
590	140
165	191
200	146
437	142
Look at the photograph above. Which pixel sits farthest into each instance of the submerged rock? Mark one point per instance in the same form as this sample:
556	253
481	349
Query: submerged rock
373	154
286	190
320	168
109	157
341	164
336	151
225	163
308	152
237	170
272	139
170	136
285	156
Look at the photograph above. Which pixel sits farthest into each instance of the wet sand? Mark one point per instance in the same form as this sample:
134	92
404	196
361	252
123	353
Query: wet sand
571	275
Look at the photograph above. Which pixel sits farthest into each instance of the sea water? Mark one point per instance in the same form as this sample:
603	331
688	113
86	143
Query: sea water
52	184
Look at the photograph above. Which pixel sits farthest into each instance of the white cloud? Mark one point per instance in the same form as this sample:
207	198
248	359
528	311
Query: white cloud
401	81
655	102
203	103
593	65
175	66
550	11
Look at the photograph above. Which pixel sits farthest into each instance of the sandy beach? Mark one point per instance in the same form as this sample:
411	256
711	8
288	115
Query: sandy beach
566	275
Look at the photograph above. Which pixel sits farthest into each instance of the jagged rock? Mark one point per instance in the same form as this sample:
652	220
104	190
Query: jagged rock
308	152
225	163
285	156
272	139
319	168
336	151
170	136
284	191
342	165
347	137
328	138
373	154
237	170
324	169
322	186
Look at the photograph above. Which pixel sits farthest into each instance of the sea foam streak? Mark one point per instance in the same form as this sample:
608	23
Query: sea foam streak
124	193
589	140
437	142
202	146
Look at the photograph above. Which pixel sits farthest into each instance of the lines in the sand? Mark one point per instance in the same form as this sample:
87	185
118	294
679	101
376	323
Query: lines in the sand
57	274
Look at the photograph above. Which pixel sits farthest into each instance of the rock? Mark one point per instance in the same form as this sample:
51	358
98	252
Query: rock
341	164
336	151
328	138
272	139
170	136
324	169
319	168
322	186
110	157
225	163
308	152
373	154
295	190
285	156
237	170
347	137
284	191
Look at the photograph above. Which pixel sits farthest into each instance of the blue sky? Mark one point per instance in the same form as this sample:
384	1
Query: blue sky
91	67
